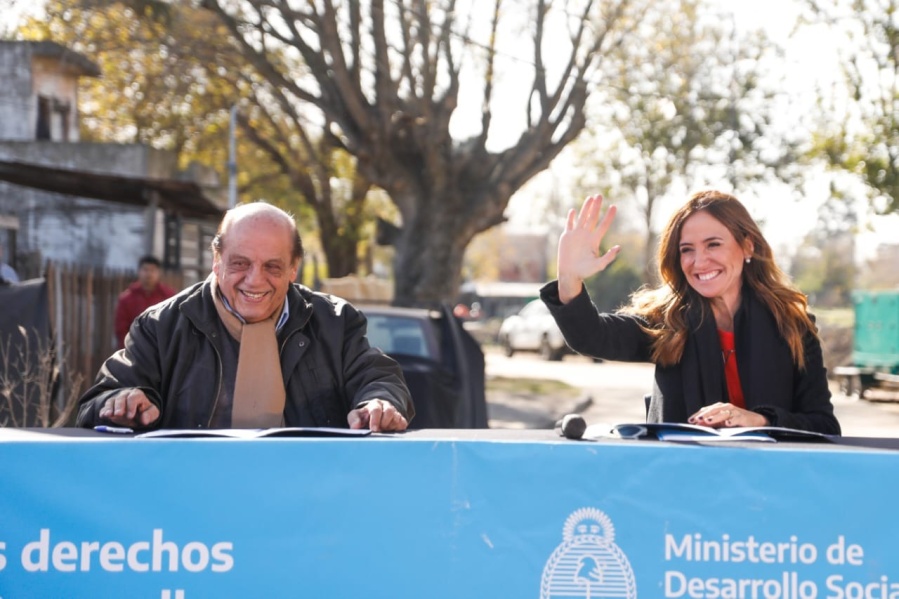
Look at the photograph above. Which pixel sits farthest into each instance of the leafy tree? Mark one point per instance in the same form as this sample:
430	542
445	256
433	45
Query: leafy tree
386	81
325	176
170	78
823	266
480	262
684	103
153	88
823	269
862	137
880	272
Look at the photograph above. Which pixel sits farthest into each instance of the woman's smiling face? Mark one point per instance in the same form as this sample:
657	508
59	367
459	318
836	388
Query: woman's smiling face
711	258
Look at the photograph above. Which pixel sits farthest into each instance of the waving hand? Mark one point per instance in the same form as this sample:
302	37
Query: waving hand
579	256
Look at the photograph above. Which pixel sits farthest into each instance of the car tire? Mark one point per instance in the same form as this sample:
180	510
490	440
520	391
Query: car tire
508	350
548	352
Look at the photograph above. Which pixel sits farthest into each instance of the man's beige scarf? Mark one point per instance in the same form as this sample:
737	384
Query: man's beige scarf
259	388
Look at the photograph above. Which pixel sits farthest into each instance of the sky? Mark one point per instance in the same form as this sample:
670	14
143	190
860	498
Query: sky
11	10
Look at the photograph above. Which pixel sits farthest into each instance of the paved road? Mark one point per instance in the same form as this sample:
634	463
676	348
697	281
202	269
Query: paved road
613	392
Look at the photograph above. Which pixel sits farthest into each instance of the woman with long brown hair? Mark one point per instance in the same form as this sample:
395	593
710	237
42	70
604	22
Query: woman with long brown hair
731	337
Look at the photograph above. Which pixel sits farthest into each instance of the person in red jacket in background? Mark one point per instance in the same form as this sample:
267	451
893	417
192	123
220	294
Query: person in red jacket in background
146	291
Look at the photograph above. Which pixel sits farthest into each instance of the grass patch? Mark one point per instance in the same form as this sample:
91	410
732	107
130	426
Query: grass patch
538	387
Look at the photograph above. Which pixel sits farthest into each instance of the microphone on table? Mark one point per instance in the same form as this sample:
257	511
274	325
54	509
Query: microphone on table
571	426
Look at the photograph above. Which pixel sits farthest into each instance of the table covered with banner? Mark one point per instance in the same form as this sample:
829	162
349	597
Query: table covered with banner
444	514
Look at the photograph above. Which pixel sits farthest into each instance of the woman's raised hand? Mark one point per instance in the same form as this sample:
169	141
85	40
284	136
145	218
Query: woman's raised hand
579	256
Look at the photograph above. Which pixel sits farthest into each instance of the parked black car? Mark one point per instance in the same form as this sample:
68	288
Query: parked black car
443	364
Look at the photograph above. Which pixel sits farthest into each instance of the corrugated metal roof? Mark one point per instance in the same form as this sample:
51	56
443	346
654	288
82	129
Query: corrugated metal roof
178	197
68	57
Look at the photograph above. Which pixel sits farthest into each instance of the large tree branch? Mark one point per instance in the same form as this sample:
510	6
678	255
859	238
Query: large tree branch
385	88
299	178
258	59
427	59
539	68
356	33
486	112
295	167
334	74
561	116
447	102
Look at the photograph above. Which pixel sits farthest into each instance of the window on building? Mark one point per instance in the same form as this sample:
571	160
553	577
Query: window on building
59	129
43	118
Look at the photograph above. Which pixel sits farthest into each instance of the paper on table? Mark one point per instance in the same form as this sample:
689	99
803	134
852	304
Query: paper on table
255	433
725	434
600	430
677	431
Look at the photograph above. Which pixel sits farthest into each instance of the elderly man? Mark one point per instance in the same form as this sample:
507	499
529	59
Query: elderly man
248	348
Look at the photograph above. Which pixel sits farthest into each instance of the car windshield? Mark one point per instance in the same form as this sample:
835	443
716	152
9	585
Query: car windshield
398	335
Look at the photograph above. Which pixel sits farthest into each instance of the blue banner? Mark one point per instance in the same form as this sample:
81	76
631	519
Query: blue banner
393	517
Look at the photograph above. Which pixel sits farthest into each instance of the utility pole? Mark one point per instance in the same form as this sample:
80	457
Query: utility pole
232	159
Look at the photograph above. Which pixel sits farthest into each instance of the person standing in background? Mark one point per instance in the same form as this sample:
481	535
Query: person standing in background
146	291
7	272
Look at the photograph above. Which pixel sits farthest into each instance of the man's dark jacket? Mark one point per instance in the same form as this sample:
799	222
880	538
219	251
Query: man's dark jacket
772	383
174	354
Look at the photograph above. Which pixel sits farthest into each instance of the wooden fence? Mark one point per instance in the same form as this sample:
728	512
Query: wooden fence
82	312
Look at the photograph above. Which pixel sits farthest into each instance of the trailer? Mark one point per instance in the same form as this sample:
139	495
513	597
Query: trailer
875	344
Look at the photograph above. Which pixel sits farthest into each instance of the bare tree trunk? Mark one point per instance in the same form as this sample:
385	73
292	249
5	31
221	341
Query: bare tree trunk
428	263
341	256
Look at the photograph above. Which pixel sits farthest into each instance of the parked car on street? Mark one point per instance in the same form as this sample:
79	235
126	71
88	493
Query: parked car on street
442	363
533	329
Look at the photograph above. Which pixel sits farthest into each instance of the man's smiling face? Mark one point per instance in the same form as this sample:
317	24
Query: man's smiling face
255	269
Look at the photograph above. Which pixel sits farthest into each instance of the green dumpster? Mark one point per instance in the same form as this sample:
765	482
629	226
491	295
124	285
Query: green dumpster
876	336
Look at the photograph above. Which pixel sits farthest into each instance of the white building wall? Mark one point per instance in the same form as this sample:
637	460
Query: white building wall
17	103
70	230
